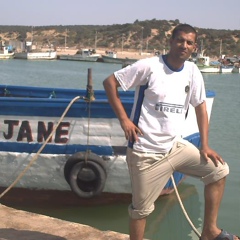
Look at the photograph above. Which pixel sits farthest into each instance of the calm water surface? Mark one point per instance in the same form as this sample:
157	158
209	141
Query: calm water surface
167	221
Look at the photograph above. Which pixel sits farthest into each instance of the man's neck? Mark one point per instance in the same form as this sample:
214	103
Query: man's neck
174	63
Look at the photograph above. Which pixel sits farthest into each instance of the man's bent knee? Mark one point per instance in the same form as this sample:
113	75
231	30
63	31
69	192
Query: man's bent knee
218	173
139	214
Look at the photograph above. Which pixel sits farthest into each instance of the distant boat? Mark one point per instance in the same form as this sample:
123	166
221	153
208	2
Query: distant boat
111	57
36	54
226	69
222	66
47	55
205	66
219	69
209	69
84	55
5	54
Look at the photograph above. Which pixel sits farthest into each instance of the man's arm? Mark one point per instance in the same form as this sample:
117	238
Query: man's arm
203	125
111	86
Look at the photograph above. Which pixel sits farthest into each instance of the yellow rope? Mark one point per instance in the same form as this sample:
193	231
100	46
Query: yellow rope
42	147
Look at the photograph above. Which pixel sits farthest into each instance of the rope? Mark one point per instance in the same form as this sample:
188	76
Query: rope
42	147
183	208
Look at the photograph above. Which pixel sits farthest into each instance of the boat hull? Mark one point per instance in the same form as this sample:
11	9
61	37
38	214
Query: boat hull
222	69
79	57
7	56
123	61
209	70
226	69
28	116
51	55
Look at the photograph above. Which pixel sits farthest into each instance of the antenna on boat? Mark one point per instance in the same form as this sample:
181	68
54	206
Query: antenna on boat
90	93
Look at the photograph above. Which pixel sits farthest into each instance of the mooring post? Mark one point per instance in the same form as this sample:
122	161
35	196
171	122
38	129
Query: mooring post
90	94
89	77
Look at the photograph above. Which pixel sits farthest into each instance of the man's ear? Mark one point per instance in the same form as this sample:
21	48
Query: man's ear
196	46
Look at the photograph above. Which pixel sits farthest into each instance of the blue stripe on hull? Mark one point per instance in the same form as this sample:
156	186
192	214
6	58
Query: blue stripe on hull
35	101
56	107
54	149
71	149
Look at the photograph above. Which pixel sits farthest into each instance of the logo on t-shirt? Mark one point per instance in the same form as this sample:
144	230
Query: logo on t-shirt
167	107
187	89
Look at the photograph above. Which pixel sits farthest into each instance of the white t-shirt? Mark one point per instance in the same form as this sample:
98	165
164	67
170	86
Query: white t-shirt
161	100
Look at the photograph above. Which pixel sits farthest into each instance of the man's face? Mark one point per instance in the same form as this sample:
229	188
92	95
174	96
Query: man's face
183	45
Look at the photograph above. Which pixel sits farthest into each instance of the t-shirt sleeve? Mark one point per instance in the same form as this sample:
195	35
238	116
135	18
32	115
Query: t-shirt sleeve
133	75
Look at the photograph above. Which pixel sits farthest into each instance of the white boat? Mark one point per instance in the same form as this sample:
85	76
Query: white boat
210	69
218	69
82	152
205	66
5	54
226	69
84	55
203	63
48	55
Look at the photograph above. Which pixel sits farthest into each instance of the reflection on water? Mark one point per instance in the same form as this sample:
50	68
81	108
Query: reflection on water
168	220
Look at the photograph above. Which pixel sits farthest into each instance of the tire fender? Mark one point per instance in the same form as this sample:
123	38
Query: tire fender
86	177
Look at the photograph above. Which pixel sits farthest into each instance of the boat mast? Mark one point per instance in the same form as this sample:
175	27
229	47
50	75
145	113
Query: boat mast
95	45
32	35
141	42
201	49
66	39
220	51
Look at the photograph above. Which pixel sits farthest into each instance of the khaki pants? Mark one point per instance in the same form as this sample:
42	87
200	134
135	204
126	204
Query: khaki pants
150	172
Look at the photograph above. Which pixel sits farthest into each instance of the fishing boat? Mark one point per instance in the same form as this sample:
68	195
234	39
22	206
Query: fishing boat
210	70
5	54
86	55
70	141
48	55
219	69
206	66
39	55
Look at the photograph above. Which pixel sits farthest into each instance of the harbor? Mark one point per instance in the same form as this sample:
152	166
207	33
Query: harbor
224	135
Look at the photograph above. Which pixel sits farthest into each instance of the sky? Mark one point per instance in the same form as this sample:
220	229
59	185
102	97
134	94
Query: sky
215	14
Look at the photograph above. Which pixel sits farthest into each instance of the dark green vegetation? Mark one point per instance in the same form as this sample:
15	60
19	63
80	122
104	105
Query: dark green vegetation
147	35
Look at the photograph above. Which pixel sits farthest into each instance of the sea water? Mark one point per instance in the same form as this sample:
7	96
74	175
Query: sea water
168	220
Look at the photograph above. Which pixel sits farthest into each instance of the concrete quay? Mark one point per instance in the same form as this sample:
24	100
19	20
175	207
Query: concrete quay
22	225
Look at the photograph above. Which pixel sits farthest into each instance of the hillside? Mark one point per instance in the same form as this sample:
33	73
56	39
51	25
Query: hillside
145	36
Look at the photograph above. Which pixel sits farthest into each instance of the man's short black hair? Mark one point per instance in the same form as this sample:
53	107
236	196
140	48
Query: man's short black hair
184	28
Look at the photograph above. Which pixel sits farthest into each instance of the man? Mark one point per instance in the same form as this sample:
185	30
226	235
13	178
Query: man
155	147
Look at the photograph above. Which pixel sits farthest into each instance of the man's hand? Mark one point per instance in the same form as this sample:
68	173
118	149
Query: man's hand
209	154
131	130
